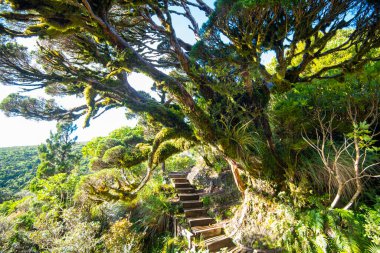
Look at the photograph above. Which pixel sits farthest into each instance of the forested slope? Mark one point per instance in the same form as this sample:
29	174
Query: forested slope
18	166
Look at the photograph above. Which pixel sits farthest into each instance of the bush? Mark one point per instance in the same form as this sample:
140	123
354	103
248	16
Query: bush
122	238
372	222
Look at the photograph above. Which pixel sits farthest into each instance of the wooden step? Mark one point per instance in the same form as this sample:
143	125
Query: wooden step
207	231
188	196
180	180
195	212
177	175
200	221
213	244
185	190
182	185
191	204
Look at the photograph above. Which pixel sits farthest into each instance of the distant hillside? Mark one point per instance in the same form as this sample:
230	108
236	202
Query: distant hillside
18	166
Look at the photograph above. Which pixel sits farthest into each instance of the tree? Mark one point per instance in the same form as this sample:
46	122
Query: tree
217	92
57	154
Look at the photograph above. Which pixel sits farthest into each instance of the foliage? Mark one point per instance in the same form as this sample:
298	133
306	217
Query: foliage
153	213
58	155
275	224
328	97
180	162
327	231
338	120
122	238
169	244
18	165
372	227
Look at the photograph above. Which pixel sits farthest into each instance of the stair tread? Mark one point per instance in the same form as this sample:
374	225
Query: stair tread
192	203
188	194
216	239
186	191
177	175
194	209
198	229
200	218
182	185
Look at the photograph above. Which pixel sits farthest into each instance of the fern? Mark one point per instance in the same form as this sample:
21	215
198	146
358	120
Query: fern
373	248
322	231
315	221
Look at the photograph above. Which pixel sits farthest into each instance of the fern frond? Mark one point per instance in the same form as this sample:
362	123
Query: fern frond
373	248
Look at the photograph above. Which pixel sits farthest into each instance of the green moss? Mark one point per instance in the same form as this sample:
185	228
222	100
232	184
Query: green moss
89	94
168	148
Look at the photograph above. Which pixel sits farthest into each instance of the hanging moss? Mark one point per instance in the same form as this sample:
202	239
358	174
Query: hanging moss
89	94
59	17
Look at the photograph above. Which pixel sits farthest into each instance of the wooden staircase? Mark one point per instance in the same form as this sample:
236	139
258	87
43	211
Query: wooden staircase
200	223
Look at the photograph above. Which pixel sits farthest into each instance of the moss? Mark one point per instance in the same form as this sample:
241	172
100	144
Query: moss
167	142
89	94
168	148
104	144
115	155
144	148
134	158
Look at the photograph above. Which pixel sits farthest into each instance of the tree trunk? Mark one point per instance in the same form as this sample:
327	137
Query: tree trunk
337	196
352	200
163	169
235	172
359	186
164	176
264	121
